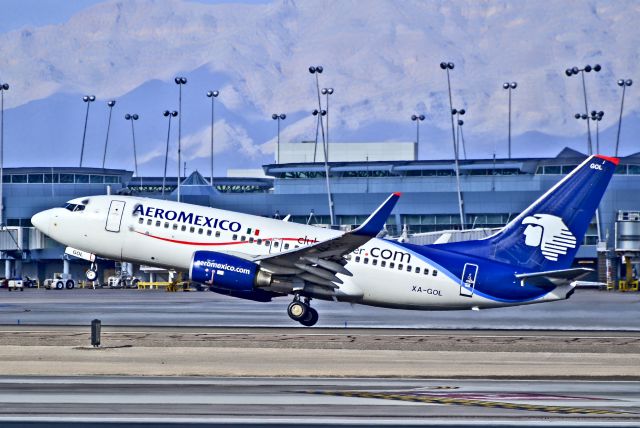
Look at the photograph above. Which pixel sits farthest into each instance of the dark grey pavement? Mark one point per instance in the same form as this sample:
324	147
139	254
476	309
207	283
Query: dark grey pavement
586	310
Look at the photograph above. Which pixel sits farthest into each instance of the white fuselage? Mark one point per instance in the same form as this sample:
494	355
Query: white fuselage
166	234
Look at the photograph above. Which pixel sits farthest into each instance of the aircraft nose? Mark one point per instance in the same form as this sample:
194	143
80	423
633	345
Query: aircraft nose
42	221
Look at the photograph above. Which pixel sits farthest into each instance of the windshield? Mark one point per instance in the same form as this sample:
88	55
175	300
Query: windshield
74	207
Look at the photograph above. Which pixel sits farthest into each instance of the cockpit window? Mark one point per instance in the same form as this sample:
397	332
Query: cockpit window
74	207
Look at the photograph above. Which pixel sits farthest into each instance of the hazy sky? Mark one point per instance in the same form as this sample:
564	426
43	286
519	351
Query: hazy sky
16	14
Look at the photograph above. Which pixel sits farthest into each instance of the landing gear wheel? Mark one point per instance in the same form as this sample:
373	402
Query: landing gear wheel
91	275
311	318
297	310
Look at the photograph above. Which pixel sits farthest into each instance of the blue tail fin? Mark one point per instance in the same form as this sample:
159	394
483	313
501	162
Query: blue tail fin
546	236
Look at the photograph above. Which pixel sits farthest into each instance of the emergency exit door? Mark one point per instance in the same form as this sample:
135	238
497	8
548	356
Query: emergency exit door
114	217
468	280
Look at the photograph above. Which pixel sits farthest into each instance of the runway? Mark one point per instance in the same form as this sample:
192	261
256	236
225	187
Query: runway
316	401
585	310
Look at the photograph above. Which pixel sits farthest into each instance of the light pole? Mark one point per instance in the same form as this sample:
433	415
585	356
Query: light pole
168	114
131	118
87	99
3	87
318	113
624	84
509	86
573	72
417	118
450	66
315	70
110	104
213	95
278	117
596	116
327	92
459	122
179	81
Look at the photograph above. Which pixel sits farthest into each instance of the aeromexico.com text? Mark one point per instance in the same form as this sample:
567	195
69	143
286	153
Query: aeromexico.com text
223	266
190	218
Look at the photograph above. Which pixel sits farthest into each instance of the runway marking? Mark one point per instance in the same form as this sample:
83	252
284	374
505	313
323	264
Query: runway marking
565	410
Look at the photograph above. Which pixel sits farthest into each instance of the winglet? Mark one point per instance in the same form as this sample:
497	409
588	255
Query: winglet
374	224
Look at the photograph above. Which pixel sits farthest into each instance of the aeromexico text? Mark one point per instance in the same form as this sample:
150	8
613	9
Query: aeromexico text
190	218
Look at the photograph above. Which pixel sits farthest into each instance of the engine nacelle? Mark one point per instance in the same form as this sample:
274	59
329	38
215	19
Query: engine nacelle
227	272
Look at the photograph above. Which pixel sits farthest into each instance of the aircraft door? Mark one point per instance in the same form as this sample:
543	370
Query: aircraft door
468	280
276	246
114	217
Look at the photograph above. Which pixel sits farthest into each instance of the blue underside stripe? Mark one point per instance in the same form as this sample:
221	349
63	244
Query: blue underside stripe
456	280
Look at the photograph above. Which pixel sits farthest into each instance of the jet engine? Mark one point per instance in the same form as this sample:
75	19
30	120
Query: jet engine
224	271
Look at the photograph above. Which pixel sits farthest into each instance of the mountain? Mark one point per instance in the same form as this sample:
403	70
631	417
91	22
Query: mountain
381	57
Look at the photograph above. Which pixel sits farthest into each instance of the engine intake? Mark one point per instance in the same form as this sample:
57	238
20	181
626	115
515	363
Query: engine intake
227	272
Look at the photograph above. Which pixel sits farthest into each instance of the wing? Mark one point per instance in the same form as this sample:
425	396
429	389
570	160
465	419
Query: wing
556	277
321	262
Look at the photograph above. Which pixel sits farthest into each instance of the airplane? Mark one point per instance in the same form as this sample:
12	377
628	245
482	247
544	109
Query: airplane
251	257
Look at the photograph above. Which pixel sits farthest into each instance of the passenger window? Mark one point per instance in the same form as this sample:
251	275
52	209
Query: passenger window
235	237
417	269
408	268
276	243
166	225
286	246
175	226
392	265
140	220
192	229
357	259
374	262
184	228
400	266
200	231
435	273
297	246
217	233
259	242
251	240
426	271
149	222
383	263
267	243
243	238
366	260
208	232
158	223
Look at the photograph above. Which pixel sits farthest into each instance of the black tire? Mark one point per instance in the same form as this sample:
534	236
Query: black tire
297	310
91	275
70	284
59	285
134	283
311	319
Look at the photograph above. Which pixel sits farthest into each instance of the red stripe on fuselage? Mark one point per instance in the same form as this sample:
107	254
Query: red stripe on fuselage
176	241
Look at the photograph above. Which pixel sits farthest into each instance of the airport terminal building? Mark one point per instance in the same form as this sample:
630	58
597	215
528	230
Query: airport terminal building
492	191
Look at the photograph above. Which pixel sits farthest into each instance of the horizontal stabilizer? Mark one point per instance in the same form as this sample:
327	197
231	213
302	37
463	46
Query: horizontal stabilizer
555	276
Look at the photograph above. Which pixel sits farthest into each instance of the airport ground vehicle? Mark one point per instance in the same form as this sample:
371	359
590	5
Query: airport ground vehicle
59	282
15	284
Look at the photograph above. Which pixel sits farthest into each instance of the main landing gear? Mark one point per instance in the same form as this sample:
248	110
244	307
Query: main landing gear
302	312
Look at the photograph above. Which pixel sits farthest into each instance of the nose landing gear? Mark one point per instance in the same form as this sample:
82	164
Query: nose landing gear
302	312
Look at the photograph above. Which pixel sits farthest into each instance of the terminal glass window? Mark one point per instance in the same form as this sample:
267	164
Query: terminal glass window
620	169
66	178
6	179
82	178
566	169
99	179
51	178
35	178
19	178
633	169
552	169
111	179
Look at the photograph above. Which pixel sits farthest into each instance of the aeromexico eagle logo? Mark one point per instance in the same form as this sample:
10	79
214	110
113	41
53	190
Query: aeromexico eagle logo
550	234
